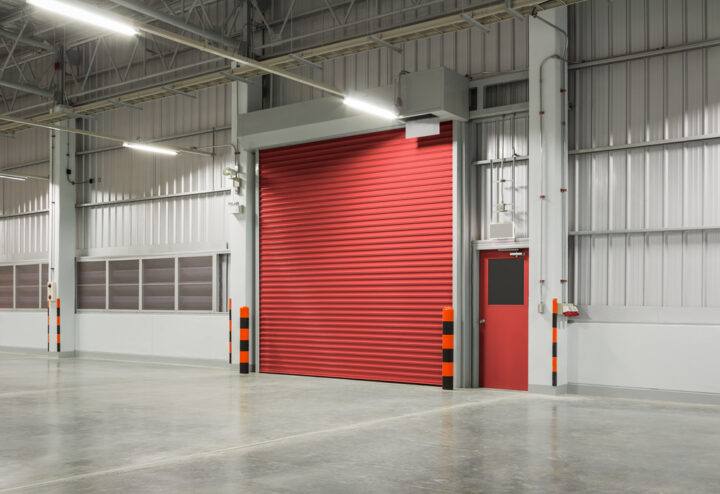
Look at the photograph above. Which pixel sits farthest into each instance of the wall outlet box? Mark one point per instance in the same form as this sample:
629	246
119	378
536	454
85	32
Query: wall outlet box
501	230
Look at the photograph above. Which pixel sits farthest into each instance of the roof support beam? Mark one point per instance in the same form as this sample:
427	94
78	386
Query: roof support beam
26	89
178	23
25	40
233	57
87	133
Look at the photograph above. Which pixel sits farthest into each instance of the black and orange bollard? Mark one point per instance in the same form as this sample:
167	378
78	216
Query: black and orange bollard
448	345
49	305
554	340
244	340
57	327
229	307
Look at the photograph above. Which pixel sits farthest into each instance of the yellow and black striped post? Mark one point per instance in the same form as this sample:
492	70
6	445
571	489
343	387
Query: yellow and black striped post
448	345
554	340
244	340
57	327
229	308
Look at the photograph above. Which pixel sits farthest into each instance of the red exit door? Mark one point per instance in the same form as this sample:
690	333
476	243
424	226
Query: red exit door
504	309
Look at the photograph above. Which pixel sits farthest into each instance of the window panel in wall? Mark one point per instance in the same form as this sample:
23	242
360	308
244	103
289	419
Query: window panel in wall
27	286
91	285
124	287
43	285
158	284
6	287
195	277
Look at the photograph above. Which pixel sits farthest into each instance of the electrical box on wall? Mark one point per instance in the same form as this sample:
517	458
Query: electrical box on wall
501	230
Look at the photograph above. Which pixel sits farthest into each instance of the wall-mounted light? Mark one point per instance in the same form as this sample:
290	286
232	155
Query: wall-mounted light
150	149
371	108
86	14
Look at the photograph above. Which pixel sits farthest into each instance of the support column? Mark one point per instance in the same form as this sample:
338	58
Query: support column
63	236
241	213
548	164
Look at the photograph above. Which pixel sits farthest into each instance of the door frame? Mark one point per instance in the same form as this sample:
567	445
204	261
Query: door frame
478	247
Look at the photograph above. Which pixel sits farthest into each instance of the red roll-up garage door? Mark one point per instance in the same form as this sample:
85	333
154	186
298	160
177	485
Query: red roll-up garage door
356	256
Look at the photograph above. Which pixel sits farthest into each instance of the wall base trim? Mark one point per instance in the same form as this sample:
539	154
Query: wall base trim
23	350
548	390
644	393
152	359
37	352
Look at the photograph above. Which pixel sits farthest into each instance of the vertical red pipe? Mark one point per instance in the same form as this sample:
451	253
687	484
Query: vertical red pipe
244	340
448	347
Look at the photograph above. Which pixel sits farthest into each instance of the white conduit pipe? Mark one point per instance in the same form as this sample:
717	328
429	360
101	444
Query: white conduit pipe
563	168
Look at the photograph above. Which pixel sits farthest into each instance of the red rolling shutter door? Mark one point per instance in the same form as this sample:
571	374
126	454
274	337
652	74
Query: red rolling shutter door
356	256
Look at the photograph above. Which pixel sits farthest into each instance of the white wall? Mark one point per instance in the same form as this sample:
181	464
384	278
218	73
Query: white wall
671	357
23	329
186	335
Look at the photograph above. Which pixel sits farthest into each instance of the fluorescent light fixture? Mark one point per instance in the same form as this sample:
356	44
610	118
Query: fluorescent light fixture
15	178
364	106
150	149
84	14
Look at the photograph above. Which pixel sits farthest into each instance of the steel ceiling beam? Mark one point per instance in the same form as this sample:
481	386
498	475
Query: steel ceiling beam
88	133
25	40
26	89
178	23
234	57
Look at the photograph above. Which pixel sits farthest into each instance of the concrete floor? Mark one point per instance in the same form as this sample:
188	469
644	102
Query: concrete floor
101	426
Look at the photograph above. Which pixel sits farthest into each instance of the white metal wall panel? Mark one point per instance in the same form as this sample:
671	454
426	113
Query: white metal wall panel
498	138
122	212
24	237
469	52
672	186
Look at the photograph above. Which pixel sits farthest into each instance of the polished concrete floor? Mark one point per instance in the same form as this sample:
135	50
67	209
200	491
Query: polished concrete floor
76	426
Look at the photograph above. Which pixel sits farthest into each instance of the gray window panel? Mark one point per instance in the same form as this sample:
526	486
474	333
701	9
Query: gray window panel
91	273
158	271
91	285
195	269
196	296
124	297
6	287
91	296
124	272
159	297
43	287
124	291
159	284
27	286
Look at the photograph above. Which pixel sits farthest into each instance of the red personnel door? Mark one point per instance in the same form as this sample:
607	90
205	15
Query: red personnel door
504	308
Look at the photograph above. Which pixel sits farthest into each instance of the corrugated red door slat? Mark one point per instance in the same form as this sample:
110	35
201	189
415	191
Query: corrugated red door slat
356	256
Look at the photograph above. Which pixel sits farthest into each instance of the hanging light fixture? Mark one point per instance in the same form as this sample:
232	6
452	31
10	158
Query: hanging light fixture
85	14
150	148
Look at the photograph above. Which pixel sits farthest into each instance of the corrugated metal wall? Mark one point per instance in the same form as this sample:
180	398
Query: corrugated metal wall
469	51
500	138
23	235
656	188
123	211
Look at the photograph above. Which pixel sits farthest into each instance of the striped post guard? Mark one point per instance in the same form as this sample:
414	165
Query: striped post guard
554	340
448	345
244	340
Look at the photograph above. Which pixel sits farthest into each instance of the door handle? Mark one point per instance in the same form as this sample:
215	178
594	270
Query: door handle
481	321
